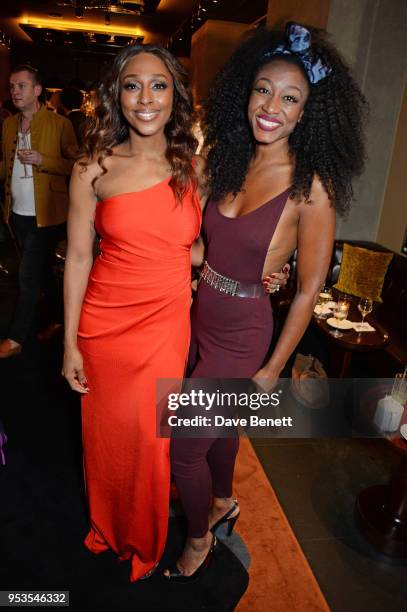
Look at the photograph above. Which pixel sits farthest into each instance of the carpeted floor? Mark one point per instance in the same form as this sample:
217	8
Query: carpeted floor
43	513
280	577
43	517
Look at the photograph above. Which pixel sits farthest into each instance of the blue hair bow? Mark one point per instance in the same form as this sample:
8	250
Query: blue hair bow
299	44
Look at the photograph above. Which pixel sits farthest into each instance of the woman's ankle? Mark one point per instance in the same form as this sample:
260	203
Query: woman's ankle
222	503
200	544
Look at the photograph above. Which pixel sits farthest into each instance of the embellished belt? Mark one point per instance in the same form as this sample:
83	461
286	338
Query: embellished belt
230	286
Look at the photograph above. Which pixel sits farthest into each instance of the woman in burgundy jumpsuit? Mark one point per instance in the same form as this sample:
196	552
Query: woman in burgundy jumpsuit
284	135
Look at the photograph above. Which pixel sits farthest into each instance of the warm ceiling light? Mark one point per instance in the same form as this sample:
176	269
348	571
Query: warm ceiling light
80	26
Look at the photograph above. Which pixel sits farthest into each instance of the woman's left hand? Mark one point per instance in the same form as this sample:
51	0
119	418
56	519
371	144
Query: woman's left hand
275	281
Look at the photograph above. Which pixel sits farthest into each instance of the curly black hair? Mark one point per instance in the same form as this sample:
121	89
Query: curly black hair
328	142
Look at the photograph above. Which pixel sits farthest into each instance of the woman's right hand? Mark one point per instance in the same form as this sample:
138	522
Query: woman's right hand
73	370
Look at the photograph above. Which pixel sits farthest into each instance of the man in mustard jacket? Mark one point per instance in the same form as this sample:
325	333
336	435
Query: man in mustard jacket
38	148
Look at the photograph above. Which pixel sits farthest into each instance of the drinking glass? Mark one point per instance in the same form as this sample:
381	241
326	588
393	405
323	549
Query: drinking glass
324	297
340	313
399	390
365	307
23	144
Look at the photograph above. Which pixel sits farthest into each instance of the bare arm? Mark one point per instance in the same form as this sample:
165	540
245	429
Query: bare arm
316	232
197	252
79	261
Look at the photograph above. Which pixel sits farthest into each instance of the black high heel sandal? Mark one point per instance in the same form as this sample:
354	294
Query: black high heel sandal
226	518
176	575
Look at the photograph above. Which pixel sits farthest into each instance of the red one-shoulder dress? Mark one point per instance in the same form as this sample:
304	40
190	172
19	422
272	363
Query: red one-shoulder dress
134	329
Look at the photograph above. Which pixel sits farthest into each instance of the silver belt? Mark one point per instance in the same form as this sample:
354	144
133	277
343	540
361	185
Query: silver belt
230	286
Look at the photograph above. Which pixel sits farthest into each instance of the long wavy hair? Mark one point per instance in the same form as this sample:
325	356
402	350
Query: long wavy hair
328	142
108	127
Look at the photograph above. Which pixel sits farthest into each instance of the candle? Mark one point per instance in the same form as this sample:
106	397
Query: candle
342	309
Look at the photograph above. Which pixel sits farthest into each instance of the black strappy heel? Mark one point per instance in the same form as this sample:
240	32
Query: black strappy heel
226	518
176	575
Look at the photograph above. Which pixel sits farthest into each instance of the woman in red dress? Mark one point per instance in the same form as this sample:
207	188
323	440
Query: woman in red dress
126	325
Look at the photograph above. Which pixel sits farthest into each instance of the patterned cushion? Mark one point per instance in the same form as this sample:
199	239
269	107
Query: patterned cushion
362	272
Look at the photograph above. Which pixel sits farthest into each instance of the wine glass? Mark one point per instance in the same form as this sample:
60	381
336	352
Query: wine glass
365	307
340	313
23	144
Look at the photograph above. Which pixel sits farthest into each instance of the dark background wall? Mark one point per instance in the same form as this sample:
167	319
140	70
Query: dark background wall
54	62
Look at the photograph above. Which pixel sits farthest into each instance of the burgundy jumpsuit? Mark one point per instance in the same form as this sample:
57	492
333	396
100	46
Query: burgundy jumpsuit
231	336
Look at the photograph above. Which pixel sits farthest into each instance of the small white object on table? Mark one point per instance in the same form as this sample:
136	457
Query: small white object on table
363	327
324	309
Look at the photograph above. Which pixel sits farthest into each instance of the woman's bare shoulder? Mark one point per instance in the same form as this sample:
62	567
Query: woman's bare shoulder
318	201
87	164
319	194
85	174
91	169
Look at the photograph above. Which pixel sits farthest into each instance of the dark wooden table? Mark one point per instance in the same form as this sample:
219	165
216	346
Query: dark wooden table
381	510
342	348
